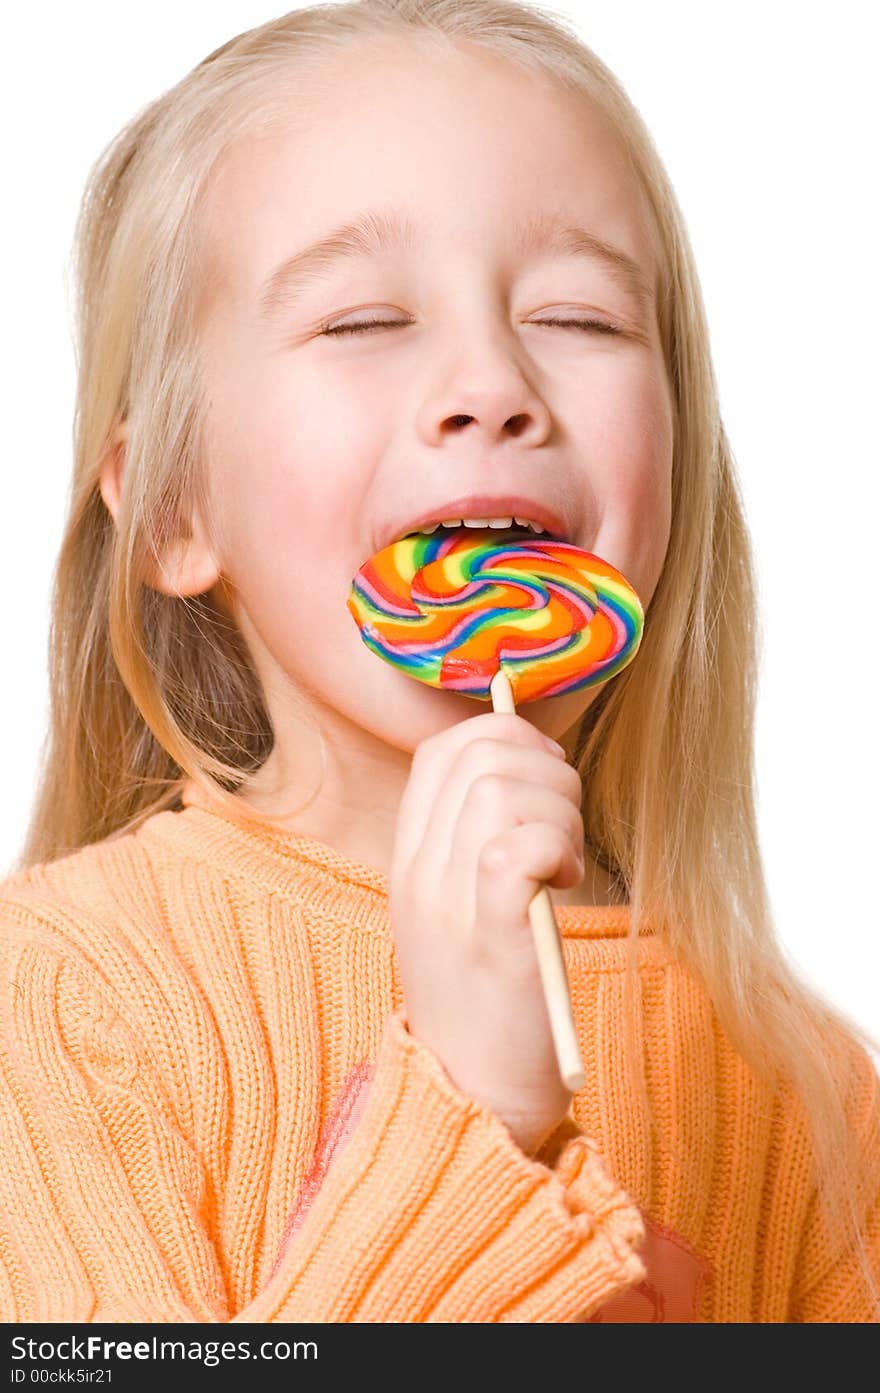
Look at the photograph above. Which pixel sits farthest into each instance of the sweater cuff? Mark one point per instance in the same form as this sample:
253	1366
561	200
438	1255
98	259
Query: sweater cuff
432	1212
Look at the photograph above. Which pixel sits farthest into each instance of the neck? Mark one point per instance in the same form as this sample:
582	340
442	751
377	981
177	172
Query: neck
351	806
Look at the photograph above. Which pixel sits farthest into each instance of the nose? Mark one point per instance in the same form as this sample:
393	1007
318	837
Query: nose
491	396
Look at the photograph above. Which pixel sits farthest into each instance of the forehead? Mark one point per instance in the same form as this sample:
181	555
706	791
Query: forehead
469	145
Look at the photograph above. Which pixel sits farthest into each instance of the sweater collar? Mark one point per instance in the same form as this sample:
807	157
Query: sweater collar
331	882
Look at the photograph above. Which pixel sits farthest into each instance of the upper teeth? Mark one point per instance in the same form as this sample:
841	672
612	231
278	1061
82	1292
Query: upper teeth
482	522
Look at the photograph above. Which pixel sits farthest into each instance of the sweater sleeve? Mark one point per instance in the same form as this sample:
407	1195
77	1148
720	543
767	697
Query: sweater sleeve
430	1213
844	1286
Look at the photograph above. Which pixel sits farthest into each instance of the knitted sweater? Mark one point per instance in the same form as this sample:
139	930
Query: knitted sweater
212	1109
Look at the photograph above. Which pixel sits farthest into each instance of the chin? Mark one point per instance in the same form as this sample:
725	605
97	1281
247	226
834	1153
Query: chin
404	712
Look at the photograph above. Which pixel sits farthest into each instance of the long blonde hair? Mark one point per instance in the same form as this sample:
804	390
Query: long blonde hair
149	689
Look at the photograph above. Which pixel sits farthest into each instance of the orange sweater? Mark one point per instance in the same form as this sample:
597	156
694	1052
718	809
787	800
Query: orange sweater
211	1109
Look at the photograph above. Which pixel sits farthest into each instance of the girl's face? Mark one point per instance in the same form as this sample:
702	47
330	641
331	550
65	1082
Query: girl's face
323	447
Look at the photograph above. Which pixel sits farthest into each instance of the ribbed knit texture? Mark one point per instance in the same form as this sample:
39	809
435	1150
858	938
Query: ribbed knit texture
212	1109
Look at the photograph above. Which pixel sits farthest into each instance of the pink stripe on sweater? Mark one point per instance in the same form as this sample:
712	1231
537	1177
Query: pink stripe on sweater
673	1288
670	1292
344	1116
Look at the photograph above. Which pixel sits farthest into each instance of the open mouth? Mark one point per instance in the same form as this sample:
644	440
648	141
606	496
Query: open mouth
501	536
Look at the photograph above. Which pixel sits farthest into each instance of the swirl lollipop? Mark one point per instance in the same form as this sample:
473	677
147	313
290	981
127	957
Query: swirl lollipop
503	619
453	609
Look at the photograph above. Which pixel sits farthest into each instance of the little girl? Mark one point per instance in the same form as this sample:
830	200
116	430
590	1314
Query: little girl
274	1043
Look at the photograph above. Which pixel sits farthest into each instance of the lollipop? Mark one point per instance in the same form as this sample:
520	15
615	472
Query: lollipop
452	608
503	618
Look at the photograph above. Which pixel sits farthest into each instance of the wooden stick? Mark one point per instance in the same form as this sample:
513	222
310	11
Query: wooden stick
548	946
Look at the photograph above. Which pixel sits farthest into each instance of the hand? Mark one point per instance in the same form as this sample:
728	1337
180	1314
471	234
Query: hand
491	812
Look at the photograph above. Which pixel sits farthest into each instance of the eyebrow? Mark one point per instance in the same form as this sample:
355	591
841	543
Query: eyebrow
373	234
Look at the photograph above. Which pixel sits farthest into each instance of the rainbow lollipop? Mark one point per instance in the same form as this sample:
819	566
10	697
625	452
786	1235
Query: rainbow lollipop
453	608
500	619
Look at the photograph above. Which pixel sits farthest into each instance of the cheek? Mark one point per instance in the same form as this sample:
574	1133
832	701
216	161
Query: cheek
627	411
304	453
278	531
285	545
290	583
283	476
284	451
630	463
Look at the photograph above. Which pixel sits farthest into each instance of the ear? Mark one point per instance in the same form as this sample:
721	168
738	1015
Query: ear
189	568
111	468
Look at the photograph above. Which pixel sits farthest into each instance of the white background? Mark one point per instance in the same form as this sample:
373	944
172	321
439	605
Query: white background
766	118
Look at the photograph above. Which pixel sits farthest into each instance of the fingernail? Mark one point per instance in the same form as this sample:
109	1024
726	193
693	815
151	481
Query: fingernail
554	745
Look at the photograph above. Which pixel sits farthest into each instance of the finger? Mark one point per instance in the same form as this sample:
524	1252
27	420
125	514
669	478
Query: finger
434	761
511	870
498	804
488	756
482	760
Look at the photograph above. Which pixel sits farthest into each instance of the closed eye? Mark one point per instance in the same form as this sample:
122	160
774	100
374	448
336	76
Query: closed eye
366	325
598	324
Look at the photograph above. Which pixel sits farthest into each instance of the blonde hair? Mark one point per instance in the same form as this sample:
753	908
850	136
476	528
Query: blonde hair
150	689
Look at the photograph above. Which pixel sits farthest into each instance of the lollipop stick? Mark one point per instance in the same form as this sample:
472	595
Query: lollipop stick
548	946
